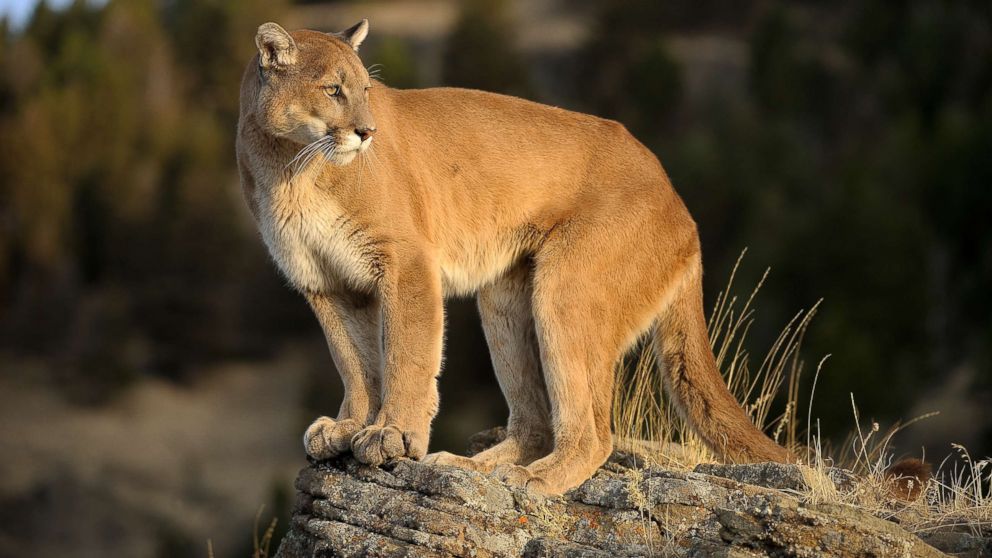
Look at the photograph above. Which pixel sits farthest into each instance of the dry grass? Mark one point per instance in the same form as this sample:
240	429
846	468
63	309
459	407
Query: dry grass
958	495
641	412
261	546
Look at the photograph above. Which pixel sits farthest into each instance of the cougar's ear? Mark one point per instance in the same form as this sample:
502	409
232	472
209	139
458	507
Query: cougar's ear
355	34
276	49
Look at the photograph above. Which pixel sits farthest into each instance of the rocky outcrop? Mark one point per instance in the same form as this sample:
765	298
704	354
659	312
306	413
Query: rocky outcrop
626	509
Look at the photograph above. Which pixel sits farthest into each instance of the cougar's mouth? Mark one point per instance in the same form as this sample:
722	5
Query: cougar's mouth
348	143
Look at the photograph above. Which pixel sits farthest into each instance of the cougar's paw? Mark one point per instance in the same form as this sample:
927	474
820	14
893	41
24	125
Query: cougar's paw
375	445
515	475
445	458
327	438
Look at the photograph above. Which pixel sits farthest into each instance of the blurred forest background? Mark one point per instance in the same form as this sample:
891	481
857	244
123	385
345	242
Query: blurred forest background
157	374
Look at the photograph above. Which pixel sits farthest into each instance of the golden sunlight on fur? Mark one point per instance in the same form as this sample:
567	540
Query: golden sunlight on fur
376	203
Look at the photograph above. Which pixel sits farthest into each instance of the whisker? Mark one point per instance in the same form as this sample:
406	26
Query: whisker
328	154
305	161
320	142
375	71
361	168
299	154
323	152
308	155
302	152
367	158
374	156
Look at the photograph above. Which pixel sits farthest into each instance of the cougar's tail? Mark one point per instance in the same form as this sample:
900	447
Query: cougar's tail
692	379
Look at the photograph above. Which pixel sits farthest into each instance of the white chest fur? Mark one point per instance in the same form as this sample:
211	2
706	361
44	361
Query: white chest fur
316	245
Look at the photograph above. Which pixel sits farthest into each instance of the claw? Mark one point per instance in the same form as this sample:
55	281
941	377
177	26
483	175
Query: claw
327	438
452	460
516	475
375	444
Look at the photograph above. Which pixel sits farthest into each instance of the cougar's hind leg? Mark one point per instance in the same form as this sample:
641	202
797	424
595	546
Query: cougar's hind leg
572	317
597	287
508	322
571	355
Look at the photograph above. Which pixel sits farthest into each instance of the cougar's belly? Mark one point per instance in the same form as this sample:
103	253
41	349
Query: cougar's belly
316	246
468	264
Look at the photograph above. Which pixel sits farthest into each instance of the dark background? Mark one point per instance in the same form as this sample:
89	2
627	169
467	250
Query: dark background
157	374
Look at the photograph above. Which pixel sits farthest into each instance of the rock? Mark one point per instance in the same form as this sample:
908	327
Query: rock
770	475
628	508
781	476
959	543
484	440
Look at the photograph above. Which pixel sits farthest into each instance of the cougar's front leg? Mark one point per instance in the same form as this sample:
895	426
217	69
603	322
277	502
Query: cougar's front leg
352	325
413	324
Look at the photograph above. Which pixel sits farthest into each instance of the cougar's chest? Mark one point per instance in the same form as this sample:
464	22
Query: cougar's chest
315	243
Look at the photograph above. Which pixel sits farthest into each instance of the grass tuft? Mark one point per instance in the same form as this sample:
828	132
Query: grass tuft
643	419
261	546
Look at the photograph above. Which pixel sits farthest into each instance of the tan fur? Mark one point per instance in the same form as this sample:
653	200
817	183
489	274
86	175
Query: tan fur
908	478
566	227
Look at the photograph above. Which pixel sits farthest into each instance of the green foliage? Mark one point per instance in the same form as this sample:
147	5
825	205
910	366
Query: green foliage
480	52
629	73
172	541
855	164
399	67
847	146
118	180
653	86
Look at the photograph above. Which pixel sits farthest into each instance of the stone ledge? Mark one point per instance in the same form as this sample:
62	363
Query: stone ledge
411	509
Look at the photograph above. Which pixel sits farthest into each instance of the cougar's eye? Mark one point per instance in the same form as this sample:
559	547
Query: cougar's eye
332	90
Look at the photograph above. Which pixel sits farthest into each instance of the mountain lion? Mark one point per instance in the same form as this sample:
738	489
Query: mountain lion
376	203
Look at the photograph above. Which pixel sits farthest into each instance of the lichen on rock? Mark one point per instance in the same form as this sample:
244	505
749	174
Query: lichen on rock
628	508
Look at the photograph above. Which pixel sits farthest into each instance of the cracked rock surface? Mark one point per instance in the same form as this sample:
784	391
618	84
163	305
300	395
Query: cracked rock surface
407	508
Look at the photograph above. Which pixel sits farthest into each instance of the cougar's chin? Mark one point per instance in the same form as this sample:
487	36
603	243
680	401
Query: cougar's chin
342	158
347	149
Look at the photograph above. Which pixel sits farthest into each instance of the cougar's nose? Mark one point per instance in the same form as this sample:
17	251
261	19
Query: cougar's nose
364	133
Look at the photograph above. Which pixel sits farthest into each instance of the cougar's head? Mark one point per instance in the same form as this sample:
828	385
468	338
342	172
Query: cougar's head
313	89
